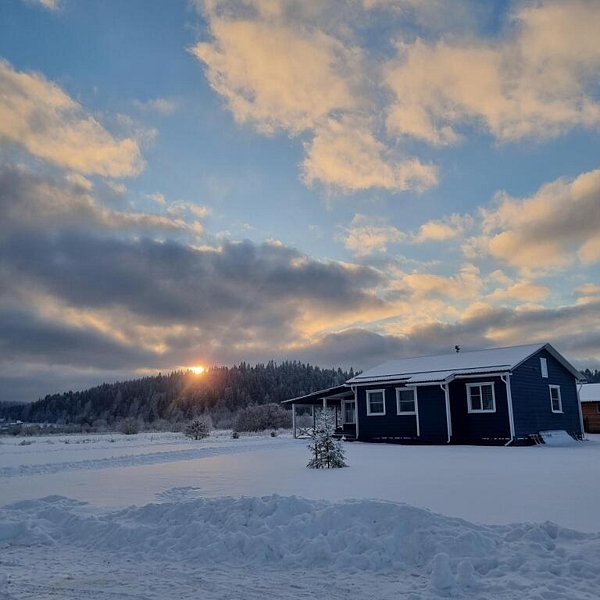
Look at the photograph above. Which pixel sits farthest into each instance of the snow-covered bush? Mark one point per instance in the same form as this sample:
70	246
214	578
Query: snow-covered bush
261	417
199	428
326	452
129	426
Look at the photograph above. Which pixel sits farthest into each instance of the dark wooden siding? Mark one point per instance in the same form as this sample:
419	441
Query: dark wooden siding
591	416
531	397
391	426
432	414
394	427
492	427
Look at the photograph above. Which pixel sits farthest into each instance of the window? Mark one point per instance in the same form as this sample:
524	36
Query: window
349	412
544	367
555	400
480	397
406	401
375	402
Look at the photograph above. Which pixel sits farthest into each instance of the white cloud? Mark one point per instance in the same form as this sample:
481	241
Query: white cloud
537	81
286	67
38	115
49	4
277	76
551	229
367	235
163	106
345	155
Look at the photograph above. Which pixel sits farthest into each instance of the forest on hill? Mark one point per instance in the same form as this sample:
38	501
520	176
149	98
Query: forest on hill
220	392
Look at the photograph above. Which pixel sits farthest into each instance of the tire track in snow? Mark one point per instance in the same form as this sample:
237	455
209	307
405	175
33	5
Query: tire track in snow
134	460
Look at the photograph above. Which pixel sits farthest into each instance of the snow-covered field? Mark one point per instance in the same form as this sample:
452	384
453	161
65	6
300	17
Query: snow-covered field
161	516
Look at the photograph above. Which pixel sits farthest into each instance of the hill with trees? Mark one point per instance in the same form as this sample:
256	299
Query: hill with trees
179	396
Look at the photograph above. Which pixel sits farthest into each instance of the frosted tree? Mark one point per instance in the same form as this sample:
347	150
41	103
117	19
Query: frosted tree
326	452
198	429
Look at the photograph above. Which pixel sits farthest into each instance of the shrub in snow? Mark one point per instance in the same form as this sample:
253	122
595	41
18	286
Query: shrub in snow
129	426
198	429
235	435
326	452
262	417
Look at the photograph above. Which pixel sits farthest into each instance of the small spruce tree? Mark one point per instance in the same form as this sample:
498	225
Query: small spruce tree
198	429
326	452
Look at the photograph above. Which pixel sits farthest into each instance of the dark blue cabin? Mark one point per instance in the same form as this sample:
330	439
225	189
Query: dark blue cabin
495	396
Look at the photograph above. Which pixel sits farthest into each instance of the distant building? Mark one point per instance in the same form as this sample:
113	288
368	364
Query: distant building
496	396
590	406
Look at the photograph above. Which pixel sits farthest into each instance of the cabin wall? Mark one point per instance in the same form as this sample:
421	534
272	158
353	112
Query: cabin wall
488	427
403	428
531	397
391	426
432	414
591	416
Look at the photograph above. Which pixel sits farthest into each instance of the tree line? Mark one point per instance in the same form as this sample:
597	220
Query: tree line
179	396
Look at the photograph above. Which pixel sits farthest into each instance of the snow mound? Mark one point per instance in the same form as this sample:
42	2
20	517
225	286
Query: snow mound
291	532
558	438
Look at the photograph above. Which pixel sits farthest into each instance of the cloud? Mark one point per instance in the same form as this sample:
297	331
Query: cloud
538	80
287	67
522	290
367	235
571	329
346	156
276	76
551	229
465	285
48	4
32	202
443	230
39	116
163	106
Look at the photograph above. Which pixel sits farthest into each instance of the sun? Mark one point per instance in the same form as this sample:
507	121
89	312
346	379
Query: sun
198	370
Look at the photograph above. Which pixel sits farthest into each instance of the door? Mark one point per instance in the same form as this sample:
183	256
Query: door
349	418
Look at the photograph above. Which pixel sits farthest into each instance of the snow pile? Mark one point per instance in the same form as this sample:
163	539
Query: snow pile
452	555
558	438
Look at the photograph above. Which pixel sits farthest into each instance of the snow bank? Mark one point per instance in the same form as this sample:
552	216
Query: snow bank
291	533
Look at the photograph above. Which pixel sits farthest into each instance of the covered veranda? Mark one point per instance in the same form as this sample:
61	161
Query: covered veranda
340	399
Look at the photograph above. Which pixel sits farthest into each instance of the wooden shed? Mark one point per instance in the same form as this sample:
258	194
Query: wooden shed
590	406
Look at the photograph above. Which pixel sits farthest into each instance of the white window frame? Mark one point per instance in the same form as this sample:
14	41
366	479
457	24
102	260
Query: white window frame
544	367
406	412
375	414
556	387
469	402
344	402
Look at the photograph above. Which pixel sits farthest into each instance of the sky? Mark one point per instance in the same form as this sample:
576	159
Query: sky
206	182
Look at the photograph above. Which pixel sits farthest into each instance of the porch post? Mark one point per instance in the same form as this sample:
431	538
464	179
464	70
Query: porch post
314	415
446	389
294	419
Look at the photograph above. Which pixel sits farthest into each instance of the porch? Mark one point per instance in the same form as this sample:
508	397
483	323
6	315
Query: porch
340	399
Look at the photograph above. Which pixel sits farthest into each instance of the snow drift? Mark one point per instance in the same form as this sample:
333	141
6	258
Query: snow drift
352	536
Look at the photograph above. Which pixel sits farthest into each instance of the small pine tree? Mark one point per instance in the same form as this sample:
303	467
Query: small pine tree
198	429
326	452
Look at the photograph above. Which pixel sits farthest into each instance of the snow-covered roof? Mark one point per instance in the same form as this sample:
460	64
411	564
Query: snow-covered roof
446	366
590	392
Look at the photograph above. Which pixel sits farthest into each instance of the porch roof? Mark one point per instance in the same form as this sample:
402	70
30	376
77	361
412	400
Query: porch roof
339	392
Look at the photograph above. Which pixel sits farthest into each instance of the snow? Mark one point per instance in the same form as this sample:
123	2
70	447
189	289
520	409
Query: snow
590	392
424	369
160	516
